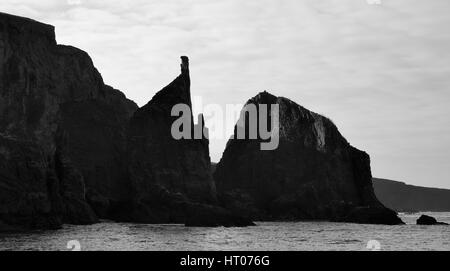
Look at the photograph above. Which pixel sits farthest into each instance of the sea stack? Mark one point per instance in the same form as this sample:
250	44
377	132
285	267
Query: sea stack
314	174
184	65
170	178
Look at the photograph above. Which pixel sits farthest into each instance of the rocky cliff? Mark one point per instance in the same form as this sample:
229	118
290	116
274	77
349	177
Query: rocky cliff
314	174
170	178
73	149
62	130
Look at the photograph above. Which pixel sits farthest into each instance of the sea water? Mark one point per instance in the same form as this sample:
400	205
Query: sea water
265	236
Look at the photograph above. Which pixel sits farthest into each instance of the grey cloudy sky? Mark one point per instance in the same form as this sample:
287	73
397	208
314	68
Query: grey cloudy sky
380	72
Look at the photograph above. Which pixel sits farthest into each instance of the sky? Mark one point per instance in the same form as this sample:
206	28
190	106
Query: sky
378	68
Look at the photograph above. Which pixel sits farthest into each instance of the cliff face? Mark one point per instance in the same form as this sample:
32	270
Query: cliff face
62	130
73	149
170	179
313	174
157	158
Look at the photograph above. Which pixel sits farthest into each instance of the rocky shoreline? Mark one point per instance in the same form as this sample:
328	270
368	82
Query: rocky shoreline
74	150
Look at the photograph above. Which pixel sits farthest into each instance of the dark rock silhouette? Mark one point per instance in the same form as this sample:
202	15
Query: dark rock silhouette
214	216
73	149
408	198
314	174
156	158
171	179
29	189
40	82
428	220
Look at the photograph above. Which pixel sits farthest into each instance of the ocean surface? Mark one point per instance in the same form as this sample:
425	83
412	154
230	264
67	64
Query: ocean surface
265	236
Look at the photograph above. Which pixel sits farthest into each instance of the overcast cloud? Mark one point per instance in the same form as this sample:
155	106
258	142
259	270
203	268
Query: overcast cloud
380	72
